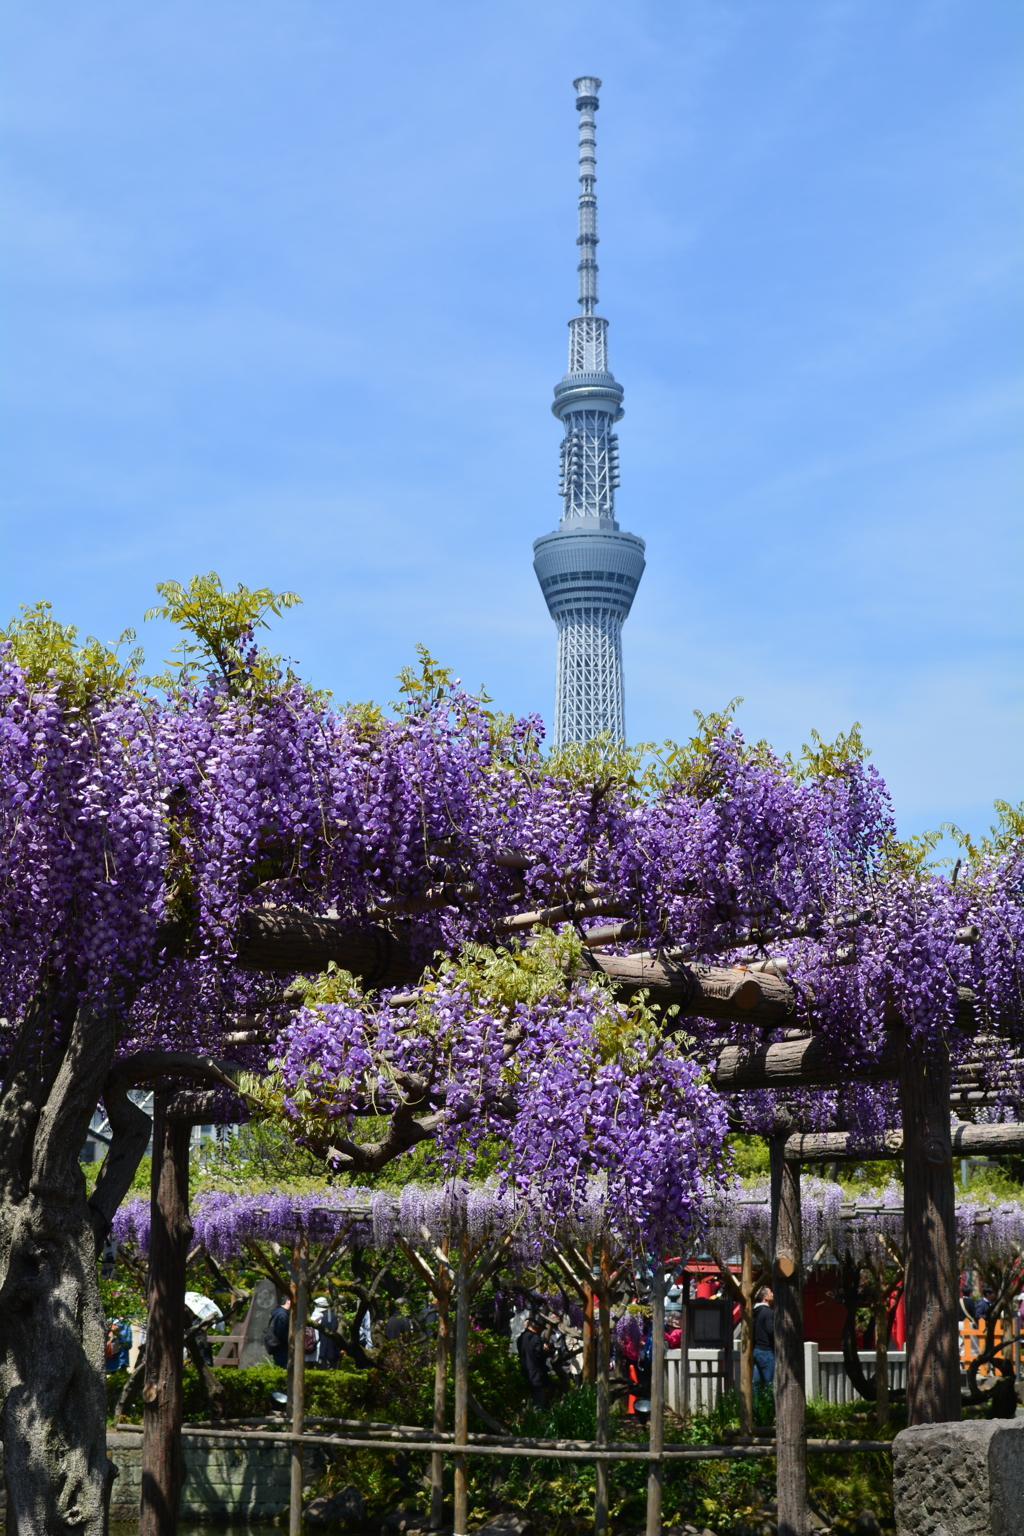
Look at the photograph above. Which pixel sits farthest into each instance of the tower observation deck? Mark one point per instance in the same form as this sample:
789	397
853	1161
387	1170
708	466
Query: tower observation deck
588	569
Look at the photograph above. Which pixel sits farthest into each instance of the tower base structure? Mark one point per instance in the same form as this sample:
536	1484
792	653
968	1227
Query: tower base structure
589	576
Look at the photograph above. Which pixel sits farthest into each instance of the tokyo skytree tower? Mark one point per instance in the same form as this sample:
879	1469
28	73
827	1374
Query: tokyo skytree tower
588	571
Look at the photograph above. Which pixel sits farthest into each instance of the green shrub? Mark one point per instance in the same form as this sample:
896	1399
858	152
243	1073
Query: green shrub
337	1394
115	1381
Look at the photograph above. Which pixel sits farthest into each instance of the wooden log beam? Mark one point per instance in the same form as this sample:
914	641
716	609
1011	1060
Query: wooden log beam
285	940
834	1146
811	1061
727	993
968	1141
564	912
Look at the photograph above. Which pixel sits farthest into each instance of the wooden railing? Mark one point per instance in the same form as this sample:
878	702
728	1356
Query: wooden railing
973	1339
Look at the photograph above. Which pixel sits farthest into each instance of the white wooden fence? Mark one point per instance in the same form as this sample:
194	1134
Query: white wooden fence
824	1376
834	1385
823	1370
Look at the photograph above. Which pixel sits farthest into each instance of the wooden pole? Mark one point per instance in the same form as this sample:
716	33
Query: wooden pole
877	1268
684	1344
747	1340
929	1206
461	1436
656	1470
163	1467
442	1296
602	1290
588	1319
300	1308
787	1281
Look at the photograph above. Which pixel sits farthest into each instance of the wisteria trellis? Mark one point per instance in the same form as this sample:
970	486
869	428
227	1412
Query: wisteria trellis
136	828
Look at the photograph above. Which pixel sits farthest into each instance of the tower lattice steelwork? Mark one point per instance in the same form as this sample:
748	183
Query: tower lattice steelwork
589	570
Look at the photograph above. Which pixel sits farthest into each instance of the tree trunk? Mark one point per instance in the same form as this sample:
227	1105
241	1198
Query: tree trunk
656	1470
300	1308
52	1379
747	1340
461	1435
787	1281
929	1196
53	1421
216	1393
163	1467
850	1278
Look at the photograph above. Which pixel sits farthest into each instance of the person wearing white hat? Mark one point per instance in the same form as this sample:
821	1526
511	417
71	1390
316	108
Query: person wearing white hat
326	1352
205	1314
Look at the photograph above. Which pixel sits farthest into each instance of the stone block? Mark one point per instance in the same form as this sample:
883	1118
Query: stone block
225	1480
346	1507
960	1479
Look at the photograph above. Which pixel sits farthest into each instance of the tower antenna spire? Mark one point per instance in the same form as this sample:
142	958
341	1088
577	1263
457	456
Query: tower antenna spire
586	88
589	569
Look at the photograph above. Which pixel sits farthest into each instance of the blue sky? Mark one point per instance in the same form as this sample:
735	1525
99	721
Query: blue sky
284	294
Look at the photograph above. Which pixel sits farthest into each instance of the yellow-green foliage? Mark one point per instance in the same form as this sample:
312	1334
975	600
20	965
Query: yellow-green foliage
499	979
218	623
749	1156
49	653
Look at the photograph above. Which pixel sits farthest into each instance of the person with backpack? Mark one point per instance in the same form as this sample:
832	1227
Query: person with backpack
533	1358
118	1344
323	1317
275	1335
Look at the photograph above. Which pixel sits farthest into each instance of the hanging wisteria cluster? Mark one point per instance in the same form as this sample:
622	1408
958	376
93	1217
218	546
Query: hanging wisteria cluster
83	847
538	1079
436	1214
419	1214
739	1214
837	1220
223	1220
989	1231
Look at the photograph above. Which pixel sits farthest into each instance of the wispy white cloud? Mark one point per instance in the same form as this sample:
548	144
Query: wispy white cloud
285	290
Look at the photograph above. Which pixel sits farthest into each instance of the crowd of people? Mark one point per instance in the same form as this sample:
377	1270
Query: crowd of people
547	1344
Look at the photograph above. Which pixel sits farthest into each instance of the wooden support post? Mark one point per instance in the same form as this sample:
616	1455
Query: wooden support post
747	1339
300	1309
442	1296
163	1467
881	1308
461	1436
588	1321
787	1283
656	1470
929	1205
684	1344
602	1290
